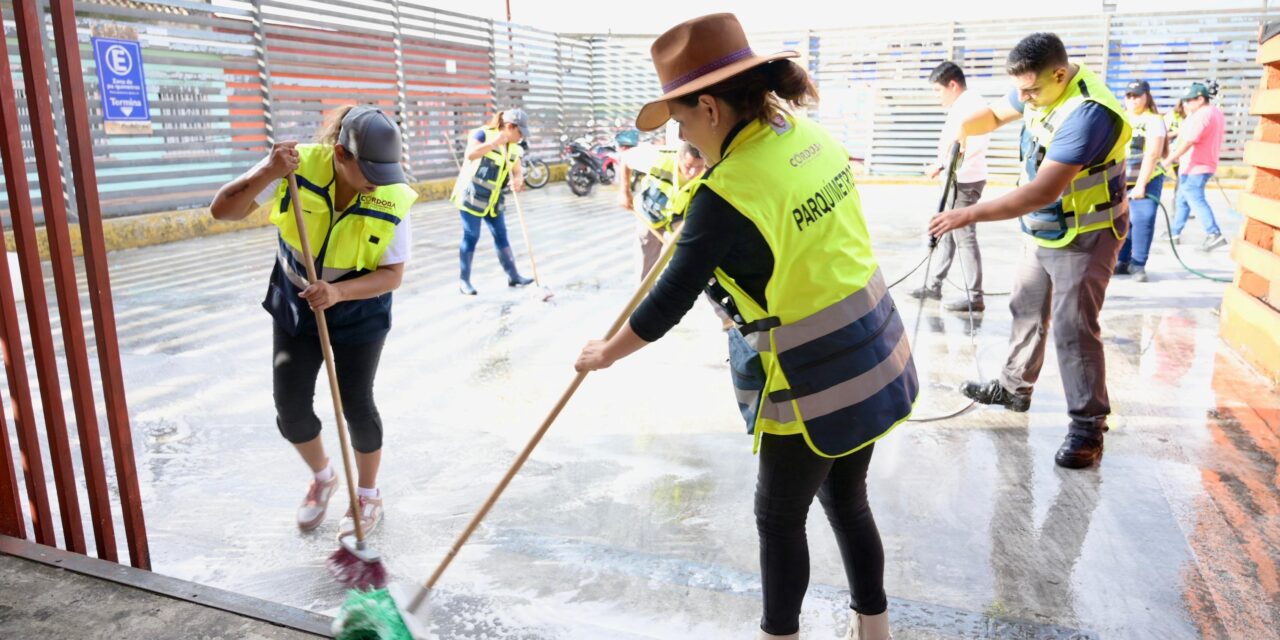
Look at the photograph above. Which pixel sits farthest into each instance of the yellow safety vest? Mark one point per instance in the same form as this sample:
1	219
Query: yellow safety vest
1096	195
1138	148
836	361
663	197
352	241
478	189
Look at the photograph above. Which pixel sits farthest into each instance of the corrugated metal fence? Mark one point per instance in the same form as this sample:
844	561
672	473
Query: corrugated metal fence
226	76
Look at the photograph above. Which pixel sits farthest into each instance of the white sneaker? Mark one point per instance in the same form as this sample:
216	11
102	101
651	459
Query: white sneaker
311	511
869	627
370	516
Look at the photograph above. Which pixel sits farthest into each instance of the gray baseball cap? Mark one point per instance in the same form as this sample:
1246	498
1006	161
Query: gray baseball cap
519	118
374	139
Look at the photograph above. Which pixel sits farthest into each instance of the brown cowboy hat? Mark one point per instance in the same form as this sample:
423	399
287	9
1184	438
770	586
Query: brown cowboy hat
695	55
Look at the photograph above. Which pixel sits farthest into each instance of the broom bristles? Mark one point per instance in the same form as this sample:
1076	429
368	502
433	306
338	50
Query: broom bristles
370	615
352	571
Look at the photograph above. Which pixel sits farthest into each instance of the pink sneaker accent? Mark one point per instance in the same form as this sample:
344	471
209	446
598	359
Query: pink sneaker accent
316	504
371	515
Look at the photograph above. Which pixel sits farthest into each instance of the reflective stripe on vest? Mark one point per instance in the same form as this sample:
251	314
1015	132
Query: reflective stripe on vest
1138	150
352	242
478	189
658	190
836	359
1096	194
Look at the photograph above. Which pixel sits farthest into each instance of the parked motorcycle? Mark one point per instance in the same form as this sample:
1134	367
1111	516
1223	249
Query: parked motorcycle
585	169
536	171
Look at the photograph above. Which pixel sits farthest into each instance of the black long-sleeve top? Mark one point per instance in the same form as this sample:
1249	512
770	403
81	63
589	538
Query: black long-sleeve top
715	235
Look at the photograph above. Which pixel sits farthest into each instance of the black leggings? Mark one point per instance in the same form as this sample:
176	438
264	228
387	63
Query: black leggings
790	475
296	363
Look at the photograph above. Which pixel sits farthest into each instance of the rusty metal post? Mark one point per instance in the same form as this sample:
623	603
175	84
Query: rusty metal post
99	280
44	139
20	212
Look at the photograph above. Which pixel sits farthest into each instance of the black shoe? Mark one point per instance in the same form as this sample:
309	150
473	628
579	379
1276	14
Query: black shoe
465	288
929	293
975	305
992	393
1122	269
1079	452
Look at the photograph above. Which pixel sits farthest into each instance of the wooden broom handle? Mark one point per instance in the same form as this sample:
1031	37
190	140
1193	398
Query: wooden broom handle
524	228
639	295
323	326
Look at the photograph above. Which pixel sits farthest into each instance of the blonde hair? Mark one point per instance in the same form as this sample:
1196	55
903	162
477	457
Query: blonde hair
495	122
332	126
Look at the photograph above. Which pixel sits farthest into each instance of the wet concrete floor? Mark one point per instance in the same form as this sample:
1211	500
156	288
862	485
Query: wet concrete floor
633	519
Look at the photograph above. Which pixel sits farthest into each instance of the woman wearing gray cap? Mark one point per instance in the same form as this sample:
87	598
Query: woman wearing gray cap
493	161
356	202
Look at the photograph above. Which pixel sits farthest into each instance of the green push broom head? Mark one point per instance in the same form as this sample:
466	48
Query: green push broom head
370	615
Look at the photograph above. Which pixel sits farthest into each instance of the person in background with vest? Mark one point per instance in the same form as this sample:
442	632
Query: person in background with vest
1145	177
1199	147
664	194
1072	206
493	162
355	199
1173	123
822	368
949	84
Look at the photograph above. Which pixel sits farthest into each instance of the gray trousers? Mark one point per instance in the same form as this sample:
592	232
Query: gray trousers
1063	290
966	240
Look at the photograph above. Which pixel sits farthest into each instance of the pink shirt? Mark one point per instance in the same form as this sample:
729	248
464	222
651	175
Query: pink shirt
1205	130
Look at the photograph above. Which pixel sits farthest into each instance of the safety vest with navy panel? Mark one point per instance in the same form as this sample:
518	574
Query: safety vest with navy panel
344	245
663	195
478	189
833	350
1096	196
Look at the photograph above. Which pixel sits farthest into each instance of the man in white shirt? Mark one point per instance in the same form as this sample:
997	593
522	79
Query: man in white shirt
948	82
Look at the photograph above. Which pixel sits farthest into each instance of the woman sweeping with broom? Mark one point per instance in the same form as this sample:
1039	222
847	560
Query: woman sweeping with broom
821	364
355	200
492	162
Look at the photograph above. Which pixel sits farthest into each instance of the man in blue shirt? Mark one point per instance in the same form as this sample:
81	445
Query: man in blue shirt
1073	208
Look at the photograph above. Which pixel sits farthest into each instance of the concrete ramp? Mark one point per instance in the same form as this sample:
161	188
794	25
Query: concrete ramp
50	593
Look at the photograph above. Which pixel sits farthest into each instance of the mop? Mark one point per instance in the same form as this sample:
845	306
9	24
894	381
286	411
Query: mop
400	612
354	564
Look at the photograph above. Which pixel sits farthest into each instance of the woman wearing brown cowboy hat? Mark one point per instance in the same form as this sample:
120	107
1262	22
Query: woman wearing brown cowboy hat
821	364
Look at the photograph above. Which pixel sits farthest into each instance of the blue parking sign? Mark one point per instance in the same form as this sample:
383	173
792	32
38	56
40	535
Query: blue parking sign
121	81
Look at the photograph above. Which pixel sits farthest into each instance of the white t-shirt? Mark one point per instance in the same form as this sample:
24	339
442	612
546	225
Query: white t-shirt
1154	126
639	158
973	168
401	247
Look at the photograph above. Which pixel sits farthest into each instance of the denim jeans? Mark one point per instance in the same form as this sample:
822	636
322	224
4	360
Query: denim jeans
471	231
1191	196
1142	225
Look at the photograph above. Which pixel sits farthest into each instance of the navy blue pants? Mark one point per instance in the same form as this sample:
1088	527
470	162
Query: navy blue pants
471	231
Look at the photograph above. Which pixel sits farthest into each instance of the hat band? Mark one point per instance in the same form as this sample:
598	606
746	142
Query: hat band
714	65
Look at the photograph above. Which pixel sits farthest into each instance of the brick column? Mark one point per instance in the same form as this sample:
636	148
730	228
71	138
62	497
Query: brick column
1251	304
